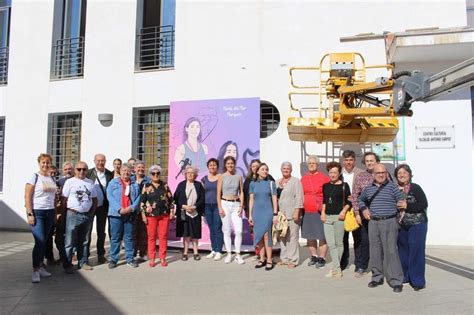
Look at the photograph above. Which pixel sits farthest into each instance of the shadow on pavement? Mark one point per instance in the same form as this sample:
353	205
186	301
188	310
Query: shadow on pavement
59	294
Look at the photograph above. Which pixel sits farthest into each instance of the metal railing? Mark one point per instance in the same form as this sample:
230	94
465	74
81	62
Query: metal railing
3	65
68	60
155	48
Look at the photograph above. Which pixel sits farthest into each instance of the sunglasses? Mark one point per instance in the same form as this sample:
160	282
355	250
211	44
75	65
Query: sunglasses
155	173
81	169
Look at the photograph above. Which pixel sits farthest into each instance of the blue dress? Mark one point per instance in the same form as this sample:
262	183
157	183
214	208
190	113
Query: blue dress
262	212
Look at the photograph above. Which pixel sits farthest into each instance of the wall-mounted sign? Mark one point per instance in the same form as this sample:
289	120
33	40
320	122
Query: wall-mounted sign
435	137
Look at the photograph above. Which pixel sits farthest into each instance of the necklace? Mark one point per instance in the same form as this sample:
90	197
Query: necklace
332	192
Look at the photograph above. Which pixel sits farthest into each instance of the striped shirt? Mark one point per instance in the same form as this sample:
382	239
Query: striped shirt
385	203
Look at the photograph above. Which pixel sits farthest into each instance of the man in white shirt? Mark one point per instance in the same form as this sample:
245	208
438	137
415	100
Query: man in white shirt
349	172
80	197
101	177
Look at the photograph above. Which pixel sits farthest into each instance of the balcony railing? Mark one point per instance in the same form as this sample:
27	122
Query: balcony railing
155	48
68	61
3	65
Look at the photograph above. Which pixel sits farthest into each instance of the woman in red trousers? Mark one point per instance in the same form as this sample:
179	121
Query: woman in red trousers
156	205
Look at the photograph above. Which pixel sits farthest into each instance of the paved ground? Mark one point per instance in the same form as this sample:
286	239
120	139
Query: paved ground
213	287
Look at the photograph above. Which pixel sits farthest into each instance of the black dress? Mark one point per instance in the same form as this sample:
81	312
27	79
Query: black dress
185	225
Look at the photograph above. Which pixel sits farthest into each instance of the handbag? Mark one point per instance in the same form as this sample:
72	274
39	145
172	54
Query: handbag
350	222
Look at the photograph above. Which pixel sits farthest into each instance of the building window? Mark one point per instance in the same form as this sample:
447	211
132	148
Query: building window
269	119
5	13
155	34
69	29
151	137
2	147
64	137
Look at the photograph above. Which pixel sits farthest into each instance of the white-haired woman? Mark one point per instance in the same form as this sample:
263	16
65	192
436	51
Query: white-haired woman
156	204
189	198
290	202
312	228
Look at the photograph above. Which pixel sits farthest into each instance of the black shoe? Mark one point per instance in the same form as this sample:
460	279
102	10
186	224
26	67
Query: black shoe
260	264
69	270
269	266
313	260
374	284
112	264
132	264
320	263
359	272
101	259
418	288
397	288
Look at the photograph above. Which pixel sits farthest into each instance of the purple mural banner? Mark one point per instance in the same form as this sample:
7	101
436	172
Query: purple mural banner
204	129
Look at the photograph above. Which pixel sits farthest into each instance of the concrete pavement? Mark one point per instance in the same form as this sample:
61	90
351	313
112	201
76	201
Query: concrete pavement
208	287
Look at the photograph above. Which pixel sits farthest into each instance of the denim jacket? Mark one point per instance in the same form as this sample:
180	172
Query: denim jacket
114	196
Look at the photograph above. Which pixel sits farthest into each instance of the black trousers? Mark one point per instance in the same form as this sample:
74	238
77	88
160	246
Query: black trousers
101	221
362	252
345	254
49	244
57	231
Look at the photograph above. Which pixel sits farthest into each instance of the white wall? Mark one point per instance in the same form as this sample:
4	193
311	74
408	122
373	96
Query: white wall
224	49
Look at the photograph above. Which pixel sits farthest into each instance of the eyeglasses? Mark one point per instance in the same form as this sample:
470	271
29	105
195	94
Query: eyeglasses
380	173
155	173
81	169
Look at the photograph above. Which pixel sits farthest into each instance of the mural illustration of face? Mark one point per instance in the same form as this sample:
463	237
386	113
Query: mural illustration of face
231	150
193	130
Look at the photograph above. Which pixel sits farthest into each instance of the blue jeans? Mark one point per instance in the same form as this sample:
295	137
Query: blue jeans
121	228
44	222
214	222
411	248
78	226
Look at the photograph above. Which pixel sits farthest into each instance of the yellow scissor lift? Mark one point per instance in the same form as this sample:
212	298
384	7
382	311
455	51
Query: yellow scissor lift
349	109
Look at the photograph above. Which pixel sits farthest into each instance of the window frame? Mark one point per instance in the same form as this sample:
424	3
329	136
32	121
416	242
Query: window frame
55	145
273	121
161	156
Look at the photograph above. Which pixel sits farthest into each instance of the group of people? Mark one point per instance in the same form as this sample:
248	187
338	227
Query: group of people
391	215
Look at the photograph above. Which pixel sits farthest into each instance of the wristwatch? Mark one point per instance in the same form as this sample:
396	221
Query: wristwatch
30	214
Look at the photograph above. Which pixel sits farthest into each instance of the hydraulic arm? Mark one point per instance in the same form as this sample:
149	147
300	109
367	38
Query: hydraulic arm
352	109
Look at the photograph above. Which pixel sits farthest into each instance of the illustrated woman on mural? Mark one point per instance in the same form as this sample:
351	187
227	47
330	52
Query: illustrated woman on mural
230	148
193	152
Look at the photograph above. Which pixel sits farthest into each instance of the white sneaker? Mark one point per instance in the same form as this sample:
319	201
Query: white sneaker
228	258
211	255
35	278
44	273
218	256
239	259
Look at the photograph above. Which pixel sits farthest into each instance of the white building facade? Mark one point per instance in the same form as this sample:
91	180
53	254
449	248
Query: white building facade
69	61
